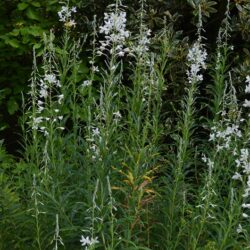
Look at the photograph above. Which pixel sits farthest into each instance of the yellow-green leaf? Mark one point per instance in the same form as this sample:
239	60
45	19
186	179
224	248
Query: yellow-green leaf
13	43
22	6
36	4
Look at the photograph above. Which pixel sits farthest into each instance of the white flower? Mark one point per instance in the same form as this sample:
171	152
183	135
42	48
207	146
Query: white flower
246	194
143	42
86	83
204	158
40	109
244	154
73	9
239	229
196	57
60	98
115	22
44	131
244	215
225	136
36	122
212	137
246	104
95	68
248	79
51	79
115	32
117	115
245	205
65	13
88	241
43	93
237	176
85	241
96	131
46	86
247	90
121	53
93	147
208	161
70	23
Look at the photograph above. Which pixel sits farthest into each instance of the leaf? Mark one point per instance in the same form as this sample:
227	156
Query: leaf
39	52
60	51
15	32
52	2
239	7
4	92
13	43
12	106
34	30
83	68
36	4
37	46
3	126
32	14
22	6
191	2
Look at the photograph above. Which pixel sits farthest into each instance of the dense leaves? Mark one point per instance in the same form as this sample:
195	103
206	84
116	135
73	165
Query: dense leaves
132	136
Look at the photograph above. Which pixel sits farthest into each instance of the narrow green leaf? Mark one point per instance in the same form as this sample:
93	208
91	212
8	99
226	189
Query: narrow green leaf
12	106
32	14
13	43
36	4
22	6
15	32
4	92
37	46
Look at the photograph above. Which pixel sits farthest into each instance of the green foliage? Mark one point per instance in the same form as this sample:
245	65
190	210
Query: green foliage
140	151
207	7
23	23
9	201
22	26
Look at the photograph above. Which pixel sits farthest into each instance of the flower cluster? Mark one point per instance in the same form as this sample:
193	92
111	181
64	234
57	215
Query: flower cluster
86	83
115	32
87	242
196	58
247	91
143	42
243	169
240	229
44	102
208	192
243	164
65	16
117	116
94	139
224	136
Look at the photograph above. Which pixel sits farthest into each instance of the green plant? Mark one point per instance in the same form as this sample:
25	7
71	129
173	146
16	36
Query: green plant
117	151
